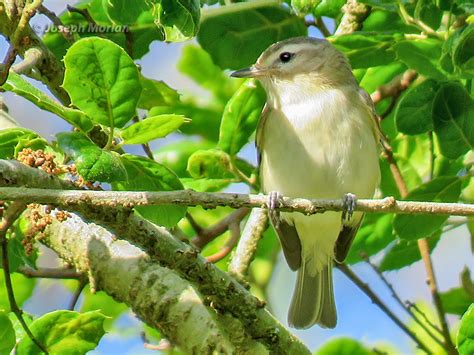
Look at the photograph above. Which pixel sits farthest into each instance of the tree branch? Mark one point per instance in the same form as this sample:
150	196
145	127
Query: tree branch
354	15
50	68
156	294
50	273
206	235
216	287
130	199
257	224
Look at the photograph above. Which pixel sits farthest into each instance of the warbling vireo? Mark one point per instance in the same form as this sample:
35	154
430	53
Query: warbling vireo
317	138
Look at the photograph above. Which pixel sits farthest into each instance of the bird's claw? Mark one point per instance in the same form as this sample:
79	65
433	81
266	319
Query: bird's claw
274	201
349	204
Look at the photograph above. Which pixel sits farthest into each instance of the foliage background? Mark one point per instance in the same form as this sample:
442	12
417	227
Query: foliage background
358	318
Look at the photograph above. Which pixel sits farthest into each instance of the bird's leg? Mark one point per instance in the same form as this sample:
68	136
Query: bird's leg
349	203
274	201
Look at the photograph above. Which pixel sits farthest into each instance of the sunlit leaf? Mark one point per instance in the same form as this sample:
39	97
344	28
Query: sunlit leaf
102	80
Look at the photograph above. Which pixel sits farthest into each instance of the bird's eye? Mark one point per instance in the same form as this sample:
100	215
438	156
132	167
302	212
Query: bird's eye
285	57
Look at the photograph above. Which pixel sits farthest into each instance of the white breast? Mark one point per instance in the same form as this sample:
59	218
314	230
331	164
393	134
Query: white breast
319	145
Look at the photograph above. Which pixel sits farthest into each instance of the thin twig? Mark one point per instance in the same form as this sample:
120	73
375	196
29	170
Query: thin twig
424	252
409	20
234	230
12	213
424	316
395	87
433	286
57	22
321	26
7	63
256	225
77	293
405	305
205	235
195	225
50	273
376	300
145	146
30	59
87	16
130	199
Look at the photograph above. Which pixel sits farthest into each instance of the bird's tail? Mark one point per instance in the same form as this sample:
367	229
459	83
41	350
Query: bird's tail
313	298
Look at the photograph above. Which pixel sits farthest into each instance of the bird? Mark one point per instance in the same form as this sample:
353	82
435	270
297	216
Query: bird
318	137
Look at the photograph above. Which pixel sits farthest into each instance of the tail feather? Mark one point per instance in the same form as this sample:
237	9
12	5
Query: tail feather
313	299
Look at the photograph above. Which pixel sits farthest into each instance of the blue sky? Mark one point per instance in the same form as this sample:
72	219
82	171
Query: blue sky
358	317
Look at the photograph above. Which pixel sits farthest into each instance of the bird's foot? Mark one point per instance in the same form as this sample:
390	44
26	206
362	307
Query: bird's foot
349	203
274	201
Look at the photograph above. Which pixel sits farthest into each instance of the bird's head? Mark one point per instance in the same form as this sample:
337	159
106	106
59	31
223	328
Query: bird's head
300	59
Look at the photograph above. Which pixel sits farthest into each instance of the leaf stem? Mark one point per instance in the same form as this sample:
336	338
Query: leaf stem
409	20
12	213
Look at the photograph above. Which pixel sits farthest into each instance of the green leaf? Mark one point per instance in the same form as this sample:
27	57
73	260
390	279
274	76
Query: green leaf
377	76
148	175
413	112
463	52
197	64
366	50
7	334
381	4
457	54
152	128
205	120
453	120
429	13
442	189
456	300
10	138
178	20
240	116
65	332
206	185
210	164
329	8
22	286
235	40
404	253
100	301
304	7
175	155
20	86
344	346
465	337
156	93
102	80
374	235
124	12
92	163
422	55
386	21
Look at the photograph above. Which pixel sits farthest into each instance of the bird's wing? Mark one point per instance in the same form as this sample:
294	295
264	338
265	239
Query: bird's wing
259	134
289	239
348	232
344	241
377	130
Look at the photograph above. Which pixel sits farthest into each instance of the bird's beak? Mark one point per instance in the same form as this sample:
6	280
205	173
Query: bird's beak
251	72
